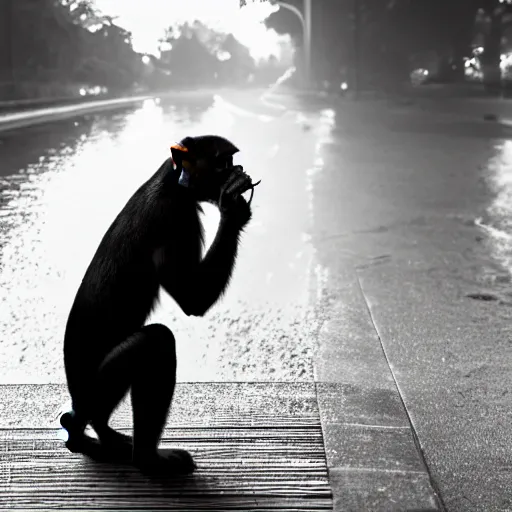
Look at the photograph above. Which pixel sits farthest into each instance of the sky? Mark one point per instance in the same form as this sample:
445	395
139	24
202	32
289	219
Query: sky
148	19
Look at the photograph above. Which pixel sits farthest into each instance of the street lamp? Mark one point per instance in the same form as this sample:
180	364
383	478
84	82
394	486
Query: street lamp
357	48
305	19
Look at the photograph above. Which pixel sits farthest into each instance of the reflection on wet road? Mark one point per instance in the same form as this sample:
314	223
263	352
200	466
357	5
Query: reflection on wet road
426	185
61	185
333	188
498	216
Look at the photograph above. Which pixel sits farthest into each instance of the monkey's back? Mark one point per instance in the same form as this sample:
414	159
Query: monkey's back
120	286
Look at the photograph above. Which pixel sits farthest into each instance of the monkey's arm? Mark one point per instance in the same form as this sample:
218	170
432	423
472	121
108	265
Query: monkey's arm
198	286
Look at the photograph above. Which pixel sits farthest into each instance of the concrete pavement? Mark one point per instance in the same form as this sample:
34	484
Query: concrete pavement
420	206
374	457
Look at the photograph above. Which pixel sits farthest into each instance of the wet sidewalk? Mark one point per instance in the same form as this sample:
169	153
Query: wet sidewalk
372	450
341	443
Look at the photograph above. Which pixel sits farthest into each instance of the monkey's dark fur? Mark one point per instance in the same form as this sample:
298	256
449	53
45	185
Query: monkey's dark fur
155	241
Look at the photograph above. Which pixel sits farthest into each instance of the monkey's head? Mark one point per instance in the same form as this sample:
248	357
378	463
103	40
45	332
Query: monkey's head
205	162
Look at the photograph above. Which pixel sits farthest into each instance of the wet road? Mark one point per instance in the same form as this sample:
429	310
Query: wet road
62	184
418	203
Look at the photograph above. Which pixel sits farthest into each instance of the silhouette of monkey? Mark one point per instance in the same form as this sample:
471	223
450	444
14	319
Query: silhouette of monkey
155	241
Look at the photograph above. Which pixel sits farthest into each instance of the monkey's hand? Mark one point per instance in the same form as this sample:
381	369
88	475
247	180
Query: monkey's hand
232	206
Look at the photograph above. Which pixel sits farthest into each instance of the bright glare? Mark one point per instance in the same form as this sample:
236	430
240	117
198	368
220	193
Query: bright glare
223	56
148	20
499	213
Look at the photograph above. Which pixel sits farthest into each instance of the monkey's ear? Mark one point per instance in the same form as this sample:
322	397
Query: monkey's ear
178	151
179	147
179	154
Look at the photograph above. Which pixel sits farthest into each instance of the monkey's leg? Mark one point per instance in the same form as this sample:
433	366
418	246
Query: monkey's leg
95	403
146	362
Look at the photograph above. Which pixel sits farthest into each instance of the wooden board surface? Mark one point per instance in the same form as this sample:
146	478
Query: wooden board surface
257	448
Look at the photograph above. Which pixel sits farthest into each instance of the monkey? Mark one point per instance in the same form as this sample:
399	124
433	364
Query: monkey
156	242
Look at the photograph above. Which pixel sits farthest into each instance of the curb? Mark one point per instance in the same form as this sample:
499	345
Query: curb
24	104
369	440
27	117
45	115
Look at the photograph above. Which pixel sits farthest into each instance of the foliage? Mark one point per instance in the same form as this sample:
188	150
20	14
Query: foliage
199	55
63	42
285	22
389	36
245	2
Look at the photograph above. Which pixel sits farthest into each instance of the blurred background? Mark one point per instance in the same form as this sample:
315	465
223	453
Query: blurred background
62	48
86	47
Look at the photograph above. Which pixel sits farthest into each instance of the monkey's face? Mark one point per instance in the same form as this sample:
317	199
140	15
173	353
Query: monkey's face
205	177
205	163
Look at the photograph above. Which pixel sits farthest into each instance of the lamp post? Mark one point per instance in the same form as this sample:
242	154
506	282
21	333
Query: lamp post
305	19
357	48
7	56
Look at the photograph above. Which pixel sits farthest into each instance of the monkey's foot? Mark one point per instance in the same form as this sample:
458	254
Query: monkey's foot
115	450
119	445
173	462
119	448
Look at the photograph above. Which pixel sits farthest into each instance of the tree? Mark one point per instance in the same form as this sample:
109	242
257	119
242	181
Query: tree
381	39
197	54
237	63
49	45
245	2
109	57
285	22
490	22
188	59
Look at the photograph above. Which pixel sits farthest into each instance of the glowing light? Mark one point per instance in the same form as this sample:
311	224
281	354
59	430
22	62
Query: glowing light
418	76
505	61
498	224
146	59
62	435
223	56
